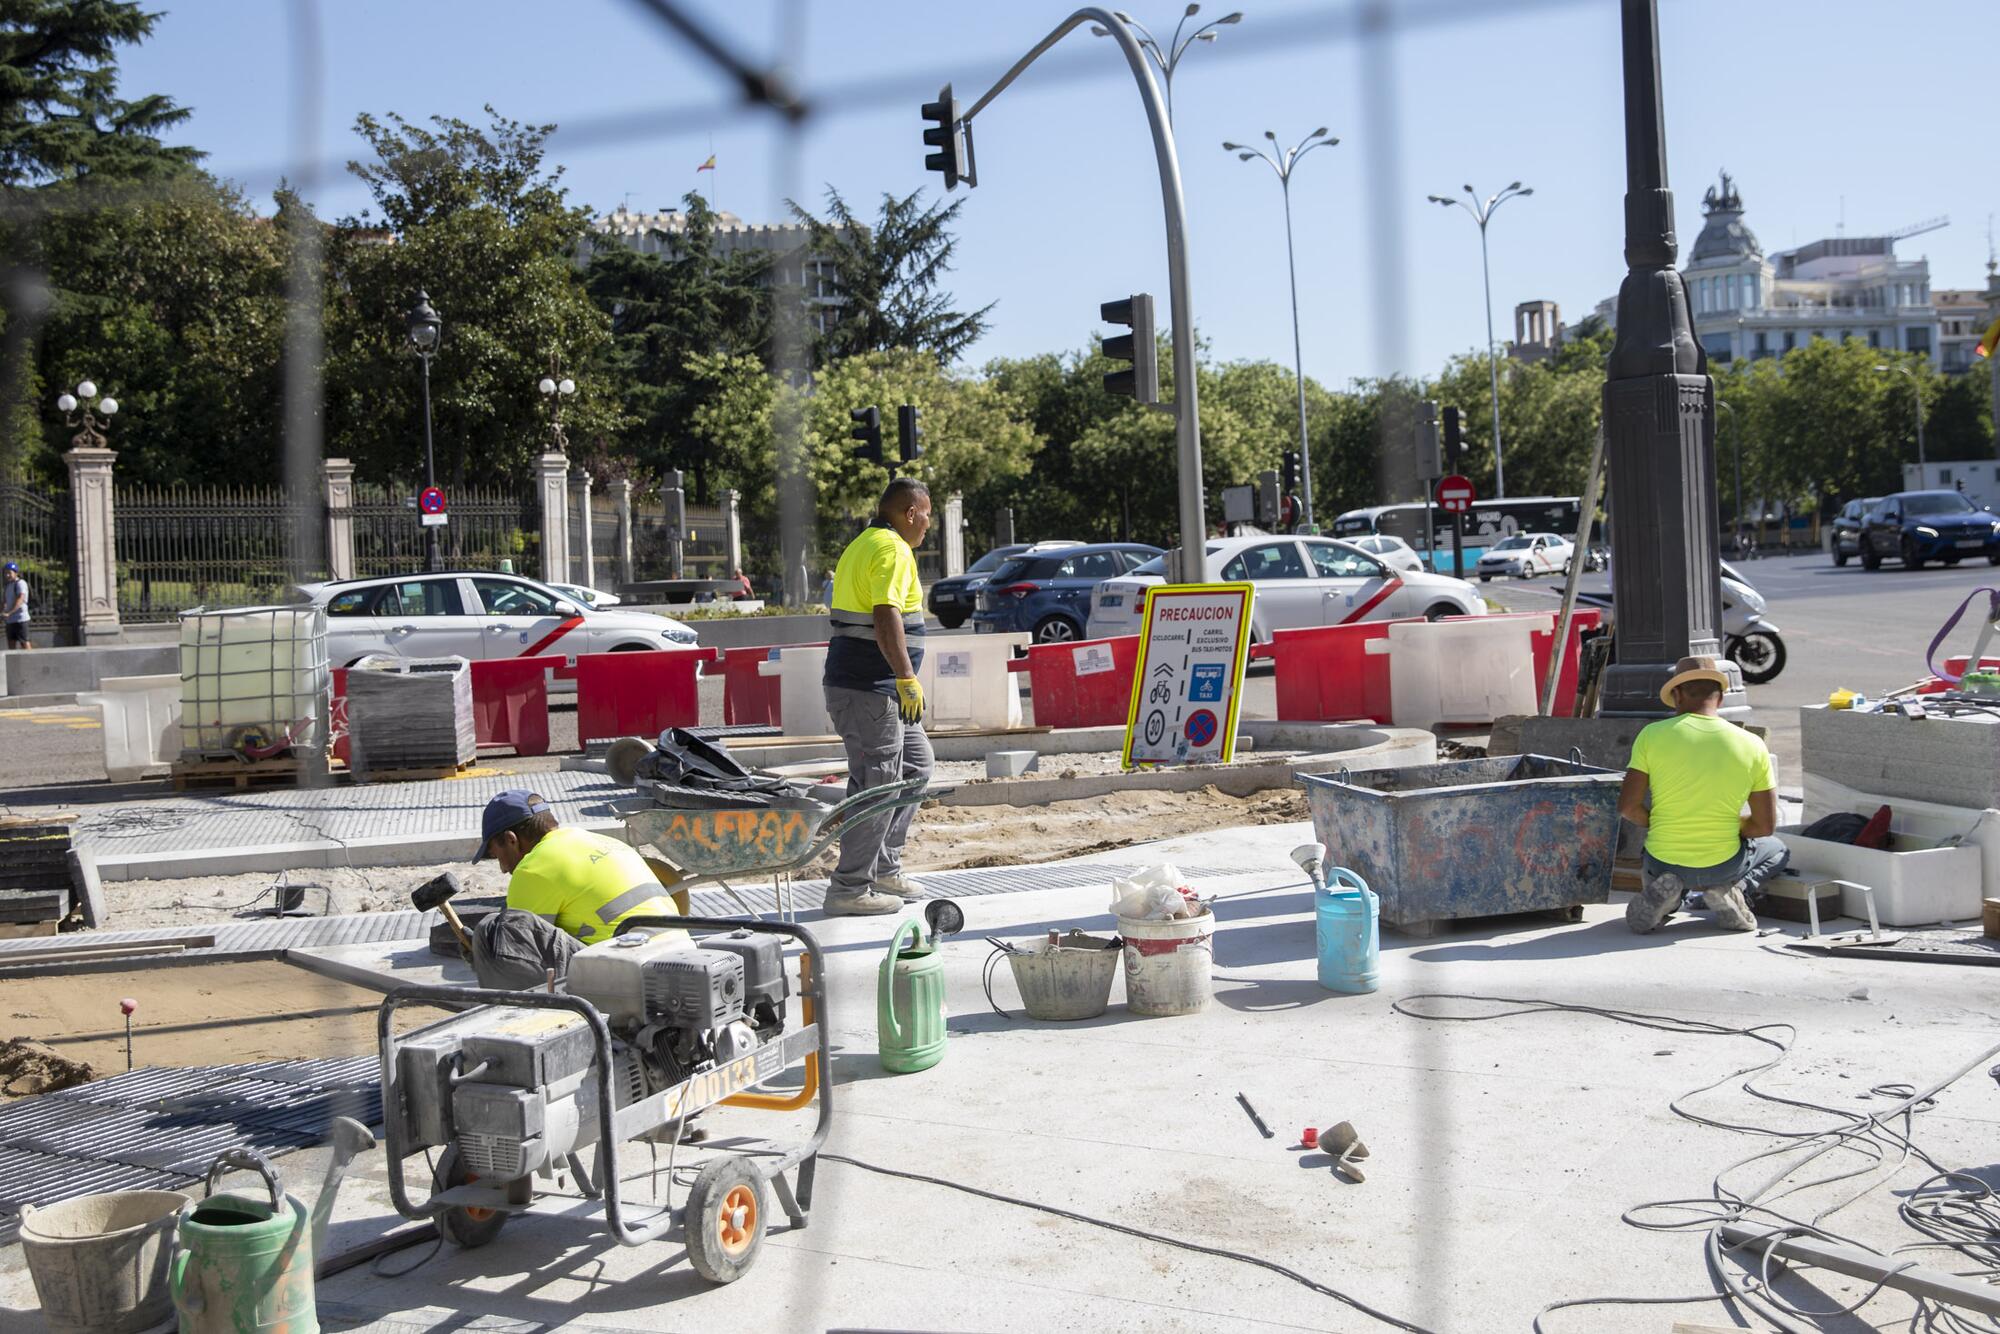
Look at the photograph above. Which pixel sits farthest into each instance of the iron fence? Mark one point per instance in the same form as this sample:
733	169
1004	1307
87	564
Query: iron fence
606	525
222	546
705	545
491	528
36	531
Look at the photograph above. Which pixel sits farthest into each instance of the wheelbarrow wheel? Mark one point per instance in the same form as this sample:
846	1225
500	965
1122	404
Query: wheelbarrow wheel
725	1219
464	1227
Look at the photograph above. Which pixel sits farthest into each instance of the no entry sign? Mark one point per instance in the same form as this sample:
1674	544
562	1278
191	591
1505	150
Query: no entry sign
1455	494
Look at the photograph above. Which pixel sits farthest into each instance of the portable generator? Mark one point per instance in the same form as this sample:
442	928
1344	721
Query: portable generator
649	1028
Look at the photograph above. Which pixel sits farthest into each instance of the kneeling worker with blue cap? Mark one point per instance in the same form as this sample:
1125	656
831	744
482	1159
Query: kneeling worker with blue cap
564	886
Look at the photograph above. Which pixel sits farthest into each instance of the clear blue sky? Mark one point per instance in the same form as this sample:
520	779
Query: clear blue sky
1805	102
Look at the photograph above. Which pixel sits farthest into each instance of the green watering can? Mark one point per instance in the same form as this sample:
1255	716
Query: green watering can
909	993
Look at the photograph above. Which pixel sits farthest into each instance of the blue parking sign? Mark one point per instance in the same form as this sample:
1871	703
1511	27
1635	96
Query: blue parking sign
1205	683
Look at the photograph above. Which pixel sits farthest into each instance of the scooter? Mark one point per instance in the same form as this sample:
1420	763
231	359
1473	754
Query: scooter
1749	640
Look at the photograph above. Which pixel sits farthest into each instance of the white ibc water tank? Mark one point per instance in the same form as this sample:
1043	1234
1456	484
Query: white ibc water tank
254	682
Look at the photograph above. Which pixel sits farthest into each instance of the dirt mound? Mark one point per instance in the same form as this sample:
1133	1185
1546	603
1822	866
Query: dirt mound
29	1067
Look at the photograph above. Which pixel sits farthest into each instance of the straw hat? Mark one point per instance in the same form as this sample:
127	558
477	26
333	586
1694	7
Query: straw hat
1693	669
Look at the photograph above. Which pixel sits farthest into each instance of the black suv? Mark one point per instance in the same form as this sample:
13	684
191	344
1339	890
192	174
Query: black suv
1847	527
1920	526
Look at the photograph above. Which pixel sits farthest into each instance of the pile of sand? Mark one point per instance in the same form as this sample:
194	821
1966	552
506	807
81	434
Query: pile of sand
28	1067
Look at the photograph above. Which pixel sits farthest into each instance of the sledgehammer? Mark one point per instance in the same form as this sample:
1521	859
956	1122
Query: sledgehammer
436	893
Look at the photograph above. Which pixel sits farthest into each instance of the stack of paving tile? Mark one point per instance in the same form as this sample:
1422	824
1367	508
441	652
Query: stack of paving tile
410	714
35	880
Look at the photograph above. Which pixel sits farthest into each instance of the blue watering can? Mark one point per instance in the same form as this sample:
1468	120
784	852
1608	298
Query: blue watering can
1348	923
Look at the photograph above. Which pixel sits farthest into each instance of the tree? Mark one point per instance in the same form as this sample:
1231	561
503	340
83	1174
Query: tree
888	276
61	119
477	221
664	311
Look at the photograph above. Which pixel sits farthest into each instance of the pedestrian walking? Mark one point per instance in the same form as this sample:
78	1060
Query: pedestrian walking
873	696
14	605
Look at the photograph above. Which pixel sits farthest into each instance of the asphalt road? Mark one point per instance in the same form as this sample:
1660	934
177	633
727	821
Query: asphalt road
1842	627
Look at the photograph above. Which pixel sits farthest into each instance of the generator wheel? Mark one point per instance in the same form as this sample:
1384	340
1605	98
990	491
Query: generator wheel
465	1228
725	1219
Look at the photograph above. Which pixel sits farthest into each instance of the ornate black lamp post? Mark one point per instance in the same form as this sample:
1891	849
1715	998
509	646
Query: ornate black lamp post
425	329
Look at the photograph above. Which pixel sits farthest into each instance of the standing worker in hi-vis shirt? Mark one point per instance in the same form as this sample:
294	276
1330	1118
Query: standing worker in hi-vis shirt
873	696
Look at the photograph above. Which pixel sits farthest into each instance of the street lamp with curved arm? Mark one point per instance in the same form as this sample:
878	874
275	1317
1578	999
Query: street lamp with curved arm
1482	213
1282	163
91	413
1168	57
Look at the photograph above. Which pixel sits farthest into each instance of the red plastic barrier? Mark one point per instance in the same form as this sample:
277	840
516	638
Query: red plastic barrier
510	703
1543	640
1086	684
636	694
747	696
1325	674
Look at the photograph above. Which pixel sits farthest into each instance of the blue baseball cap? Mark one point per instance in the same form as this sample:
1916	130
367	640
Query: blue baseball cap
503	813
11	568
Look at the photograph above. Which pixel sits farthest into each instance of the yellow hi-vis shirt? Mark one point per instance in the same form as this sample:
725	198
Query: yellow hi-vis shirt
1699	772
586	884
878	569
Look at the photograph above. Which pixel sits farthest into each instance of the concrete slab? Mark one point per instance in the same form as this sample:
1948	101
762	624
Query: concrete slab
385	965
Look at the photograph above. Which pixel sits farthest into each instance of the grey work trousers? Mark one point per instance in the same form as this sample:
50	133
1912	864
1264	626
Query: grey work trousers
881	748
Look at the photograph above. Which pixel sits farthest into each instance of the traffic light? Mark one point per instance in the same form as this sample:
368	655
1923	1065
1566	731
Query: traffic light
952	141
1427	440
908	436
1989	342
868	430
1142	381
1291	472
1454	438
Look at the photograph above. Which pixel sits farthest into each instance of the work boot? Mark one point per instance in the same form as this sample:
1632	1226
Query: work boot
862	903
902	886
1730	909
1654	904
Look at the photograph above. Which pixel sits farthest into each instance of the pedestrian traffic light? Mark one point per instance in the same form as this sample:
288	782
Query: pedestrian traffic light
908	436
1989	342
1142	380
868	430
1290	482
952	141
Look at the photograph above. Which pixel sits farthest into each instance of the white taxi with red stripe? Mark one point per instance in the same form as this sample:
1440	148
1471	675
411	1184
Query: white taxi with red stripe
474	615
1300	582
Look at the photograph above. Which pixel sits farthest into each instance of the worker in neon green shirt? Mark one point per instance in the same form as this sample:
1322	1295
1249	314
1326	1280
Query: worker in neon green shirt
873	696
565	887
1688	781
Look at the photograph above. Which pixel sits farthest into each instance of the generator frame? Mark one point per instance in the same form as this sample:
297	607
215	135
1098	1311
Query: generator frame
732	1083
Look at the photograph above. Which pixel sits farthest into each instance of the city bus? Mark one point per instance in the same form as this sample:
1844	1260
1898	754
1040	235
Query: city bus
1488	523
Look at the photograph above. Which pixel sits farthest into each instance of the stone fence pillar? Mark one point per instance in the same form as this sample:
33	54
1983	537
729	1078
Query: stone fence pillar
552	491
732	530
954	536
96	551
586	576
339	474
621	496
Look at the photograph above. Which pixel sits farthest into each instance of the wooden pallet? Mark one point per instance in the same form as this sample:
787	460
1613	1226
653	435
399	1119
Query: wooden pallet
246	774
413	775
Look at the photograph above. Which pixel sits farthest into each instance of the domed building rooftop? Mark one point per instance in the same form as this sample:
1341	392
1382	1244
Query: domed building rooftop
1723	236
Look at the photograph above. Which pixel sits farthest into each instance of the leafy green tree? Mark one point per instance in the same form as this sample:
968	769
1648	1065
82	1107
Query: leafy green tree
663	311
61	119
476	219
888	277
1959	417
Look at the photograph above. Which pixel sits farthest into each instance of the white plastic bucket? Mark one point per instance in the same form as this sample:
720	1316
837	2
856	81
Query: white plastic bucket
142	723
1168	964
100	1261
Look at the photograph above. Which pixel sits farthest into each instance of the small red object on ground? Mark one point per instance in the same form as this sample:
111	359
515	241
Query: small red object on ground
1309	1137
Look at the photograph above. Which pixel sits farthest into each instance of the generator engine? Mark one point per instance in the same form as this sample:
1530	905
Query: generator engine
512	1089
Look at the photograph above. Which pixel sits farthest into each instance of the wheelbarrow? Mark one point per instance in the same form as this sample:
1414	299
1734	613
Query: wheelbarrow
701	842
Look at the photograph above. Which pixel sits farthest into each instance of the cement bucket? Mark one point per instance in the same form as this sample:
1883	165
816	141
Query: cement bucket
1068	977
100	1261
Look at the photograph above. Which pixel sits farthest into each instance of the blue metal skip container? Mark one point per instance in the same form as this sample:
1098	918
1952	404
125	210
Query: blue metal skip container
1472	838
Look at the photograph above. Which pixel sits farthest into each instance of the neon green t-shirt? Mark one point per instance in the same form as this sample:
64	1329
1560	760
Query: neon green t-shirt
1699	770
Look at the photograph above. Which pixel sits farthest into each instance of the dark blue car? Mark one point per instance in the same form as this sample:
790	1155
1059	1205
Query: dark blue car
1047	594
1920	526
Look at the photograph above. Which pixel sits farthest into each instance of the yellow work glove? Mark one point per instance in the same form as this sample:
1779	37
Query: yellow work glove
910	693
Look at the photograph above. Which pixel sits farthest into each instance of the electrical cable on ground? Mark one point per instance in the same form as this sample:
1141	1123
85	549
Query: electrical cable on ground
1219	1252
1956	1211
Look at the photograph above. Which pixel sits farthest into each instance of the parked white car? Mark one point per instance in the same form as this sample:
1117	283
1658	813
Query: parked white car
474	615
1525	555
1393	551
1300	581
585	596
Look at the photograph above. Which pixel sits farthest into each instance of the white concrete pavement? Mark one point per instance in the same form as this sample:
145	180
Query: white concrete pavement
1503	1153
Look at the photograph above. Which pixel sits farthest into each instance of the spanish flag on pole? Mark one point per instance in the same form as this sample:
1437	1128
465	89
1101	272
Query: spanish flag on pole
708	165
1989	343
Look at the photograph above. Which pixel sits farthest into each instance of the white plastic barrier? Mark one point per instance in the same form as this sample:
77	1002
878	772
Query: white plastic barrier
1916	824
142	723
965	679
1469	671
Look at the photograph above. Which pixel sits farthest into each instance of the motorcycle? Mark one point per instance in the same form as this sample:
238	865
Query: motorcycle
1749	640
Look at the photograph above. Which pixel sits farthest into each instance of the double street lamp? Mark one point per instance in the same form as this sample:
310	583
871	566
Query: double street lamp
1482	214
89	412
1282	164
1168	56
555	391
1917	395
425	328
